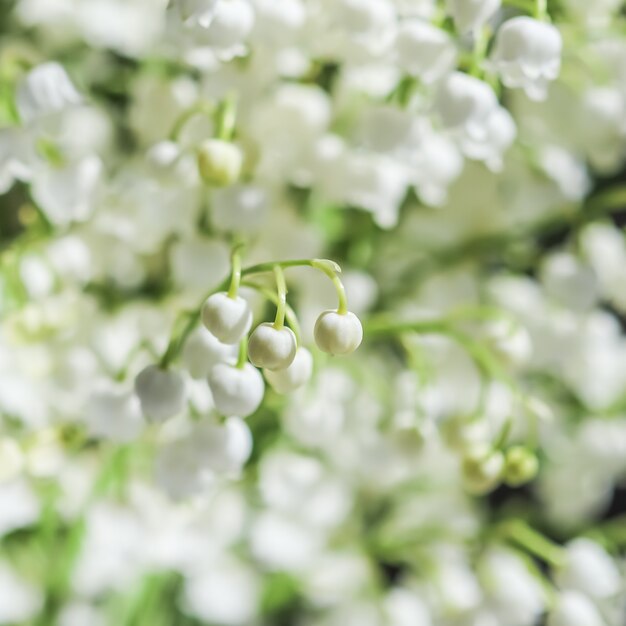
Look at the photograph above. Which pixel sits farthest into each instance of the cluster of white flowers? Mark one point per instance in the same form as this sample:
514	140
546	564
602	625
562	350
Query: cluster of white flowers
428	429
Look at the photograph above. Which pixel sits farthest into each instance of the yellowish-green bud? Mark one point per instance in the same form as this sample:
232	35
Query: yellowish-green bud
219	162
521	466
482	469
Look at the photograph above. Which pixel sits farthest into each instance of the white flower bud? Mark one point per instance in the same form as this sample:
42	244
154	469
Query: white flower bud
228	319
294	376
45	90
219	162
527	54
424	50
338	333
162	393
203	351
574	609
471	14
482	469
236	391
272	348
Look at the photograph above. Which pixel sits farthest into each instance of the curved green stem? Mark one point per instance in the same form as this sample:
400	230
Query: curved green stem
177	341
225	118
290	314
235	277
503	435
281	290
201	108
331	269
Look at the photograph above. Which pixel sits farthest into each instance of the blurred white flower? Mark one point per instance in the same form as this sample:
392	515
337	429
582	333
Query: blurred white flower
527	54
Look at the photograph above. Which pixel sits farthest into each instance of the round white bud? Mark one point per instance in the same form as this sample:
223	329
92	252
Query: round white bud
294	376
219	162
236	391
272	348
338	333
161	392
228	319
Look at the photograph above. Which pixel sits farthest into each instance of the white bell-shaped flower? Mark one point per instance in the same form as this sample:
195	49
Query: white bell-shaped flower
464	104
589	568
114	413
181	469
197	12
228	319
219	162
69	193
470	15
161	392
572	608
490	144
203	350
226	447
424	51
527	54
45	90
294	376
228	27
338	333
272	348
470	112
236	391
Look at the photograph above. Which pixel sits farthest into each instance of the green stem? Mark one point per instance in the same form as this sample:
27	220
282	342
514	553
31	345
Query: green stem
243	353
201	108
387	327
541	10
178	339
281	290
481	42
528	6
290	314
235	277
331	269
521	534
225	118
503	435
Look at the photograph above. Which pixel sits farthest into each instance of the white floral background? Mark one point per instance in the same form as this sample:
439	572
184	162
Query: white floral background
445	446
